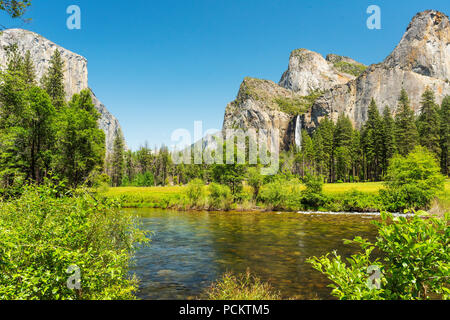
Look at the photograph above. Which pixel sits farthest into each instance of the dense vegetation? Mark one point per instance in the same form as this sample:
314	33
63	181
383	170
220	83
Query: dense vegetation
412	182
40	134
338	152
45	235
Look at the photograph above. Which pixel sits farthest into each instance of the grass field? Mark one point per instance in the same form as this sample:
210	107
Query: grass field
162	197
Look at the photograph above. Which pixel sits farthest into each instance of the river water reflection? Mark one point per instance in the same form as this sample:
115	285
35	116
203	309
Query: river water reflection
190	250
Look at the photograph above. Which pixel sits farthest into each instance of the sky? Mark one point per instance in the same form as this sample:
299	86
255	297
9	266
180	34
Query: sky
159	66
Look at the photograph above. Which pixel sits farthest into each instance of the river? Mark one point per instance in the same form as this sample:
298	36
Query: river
190	250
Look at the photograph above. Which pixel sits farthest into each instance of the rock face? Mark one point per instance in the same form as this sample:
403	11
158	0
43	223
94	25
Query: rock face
75	75
261	105
308	71
421	60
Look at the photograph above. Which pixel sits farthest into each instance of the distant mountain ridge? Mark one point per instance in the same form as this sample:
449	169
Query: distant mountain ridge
75	75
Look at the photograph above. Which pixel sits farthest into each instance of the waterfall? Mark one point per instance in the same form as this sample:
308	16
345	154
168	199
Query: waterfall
298	133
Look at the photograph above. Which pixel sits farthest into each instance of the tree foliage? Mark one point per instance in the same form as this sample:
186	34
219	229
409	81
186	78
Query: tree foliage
412	181
15	8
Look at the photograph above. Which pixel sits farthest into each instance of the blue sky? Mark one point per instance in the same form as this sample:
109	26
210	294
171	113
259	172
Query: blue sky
161	65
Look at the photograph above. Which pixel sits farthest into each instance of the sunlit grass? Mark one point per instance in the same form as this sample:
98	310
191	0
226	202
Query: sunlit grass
163	196
241	287
366	187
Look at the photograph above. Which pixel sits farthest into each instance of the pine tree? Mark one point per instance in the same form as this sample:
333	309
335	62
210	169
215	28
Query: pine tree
372	134
42	133
342	145
406	135
344	132
445	135
80	144
319	155
428	123
53	80
305	158
326	132
29	72
388	148
356	156
118	160
14	59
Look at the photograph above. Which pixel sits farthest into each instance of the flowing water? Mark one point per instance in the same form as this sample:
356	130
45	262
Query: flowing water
298	132
190	250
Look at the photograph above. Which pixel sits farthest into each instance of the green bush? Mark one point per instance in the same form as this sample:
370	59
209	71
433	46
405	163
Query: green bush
412	182
414	263
144	180
355	201
241	287
255	179
43	234
195	192
220	197
313	197
282	194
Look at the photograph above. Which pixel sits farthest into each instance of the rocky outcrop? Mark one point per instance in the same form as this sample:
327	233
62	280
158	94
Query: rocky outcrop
425	47
308	72
75	75
264	106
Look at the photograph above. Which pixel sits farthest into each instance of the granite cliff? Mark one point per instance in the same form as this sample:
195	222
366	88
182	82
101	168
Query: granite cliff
314	87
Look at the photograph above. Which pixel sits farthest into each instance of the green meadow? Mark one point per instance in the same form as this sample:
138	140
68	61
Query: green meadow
170	196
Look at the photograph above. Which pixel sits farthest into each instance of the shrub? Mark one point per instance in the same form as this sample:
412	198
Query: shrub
255	180
241	287
195	192
415	261
146	179
313	196
314	184
412	182
282	194
220	197
43	234
357	201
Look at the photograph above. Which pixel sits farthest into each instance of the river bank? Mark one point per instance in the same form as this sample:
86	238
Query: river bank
345	197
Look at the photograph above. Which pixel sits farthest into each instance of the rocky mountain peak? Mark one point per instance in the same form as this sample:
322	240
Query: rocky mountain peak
308	71
425	47
314	87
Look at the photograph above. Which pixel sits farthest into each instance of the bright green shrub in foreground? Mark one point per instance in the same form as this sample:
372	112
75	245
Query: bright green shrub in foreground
195	192
414	263
313	197
241	287
42	235
413	181
282	194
